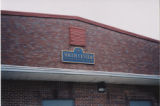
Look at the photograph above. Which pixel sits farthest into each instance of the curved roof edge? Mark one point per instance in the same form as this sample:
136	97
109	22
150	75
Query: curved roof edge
31	14
16	72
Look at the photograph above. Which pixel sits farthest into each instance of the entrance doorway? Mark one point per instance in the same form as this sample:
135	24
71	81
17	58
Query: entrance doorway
140	103
58	103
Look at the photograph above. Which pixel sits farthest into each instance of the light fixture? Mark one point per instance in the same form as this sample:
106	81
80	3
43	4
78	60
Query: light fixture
101	87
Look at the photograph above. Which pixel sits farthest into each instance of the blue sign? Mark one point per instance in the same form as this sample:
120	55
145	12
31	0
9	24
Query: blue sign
77	56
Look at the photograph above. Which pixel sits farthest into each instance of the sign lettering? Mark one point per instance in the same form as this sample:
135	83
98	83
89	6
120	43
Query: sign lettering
77	56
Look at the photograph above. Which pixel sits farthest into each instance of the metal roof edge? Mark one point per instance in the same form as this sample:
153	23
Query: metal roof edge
30	69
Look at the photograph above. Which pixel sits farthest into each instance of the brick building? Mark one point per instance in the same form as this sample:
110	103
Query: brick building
56	60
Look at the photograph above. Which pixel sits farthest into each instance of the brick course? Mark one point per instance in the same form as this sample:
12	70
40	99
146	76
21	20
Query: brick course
35	41
31	93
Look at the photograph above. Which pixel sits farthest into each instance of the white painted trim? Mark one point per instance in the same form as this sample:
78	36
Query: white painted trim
30	69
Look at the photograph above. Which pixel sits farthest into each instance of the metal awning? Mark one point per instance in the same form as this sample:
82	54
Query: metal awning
14	72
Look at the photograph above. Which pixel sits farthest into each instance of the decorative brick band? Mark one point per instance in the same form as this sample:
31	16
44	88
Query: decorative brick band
30	14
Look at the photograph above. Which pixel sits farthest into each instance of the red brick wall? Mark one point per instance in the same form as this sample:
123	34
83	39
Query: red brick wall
77	36
31	93
33	41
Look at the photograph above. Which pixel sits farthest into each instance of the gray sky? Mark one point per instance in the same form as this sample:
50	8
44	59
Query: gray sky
138	16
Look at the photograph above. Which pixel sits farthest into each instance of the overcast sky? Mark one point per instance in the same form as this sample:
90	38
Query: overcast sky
138	16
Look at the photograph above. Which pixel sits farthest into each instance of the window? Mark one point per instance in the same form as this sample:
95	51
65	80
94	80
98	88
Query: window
140	103
58	103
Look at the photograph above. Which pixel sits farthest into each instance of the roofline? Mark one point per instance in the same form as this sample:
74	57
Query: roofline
31	14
